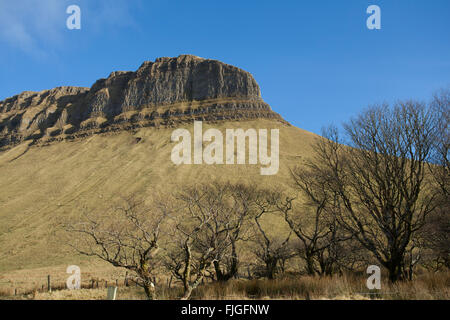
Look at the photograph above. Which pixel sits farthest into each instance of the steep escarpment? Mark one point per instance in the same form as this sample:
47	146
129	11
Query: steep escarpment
159	93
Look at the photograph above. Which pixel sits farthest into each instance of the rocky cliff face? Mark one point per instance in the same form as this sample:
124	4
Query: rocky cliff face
164	92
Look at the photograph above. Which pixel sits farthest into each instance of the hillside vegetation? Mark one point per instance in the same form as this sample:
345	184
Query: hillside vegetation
42	186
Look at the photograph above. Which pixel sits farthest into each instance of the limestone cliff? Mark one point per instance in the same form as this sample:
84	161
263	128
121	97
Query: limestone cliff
164	92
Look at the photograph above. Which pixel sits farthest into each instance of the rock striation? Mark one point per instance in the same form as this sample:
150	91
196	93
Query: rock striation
160	93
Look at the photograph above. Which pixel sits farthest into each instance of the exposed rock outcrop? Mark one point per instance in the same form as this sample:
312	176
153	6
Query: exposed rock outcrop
163	92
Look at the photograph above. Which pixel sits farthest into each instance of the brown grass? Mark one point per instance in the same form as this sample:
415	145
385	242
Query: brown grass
30	280
428	286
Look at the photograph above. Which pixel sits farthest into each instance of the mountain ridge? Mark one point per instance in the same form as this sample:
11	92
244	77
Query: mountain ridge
160	93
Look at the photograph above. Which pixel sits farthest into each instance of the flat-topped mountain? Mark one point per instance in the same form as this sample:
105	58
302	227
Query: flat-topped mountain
163	92
43	187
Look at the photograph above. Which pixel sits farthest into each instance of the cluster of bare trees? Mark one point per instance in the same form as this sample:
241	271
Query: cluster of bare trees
207	231
380	194
127	236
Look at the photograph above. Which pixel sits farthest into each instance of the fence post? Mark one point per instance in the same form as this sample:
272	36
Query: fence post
49	284
126	279
92	283
111	294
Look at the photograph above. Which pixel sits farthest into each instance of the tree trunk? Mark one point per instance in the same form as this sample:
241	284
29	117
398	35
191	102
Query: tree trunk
395	269
220	275
310	265
187	293
150	291
223	277
271	268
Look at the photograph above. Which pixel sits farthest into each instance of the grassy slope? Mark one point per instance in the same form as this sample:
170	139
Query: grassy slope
41	186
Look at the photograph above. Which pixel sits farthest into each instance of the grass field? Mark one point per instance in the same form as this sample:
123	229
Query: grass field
427	286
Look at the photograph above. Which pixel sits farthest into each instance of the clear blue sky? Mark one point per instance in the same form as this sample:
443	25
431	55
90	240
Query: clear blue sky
315	61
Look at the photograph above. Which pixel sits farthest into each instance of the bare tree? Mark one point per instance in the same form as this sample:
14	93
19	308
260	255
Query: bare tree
434	240
233	222
313	221
380	178
440	162
271	250
229	206
127	236
412	258
435	236
184	259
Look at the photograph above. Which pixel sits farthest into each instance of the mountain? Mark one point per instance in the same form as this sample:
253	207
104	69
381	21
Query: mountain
164	92
68	149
